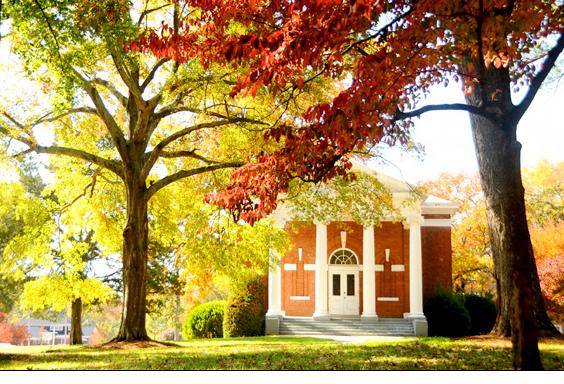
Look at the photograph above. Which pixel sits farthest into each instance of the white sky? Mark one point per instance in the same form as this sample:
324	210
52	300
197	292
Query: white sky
448	143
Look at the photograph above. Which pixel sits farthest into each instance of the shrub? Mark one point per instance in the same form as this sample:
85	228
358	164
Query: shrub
12	333
446	315
205	321
245	310
482	313
20	334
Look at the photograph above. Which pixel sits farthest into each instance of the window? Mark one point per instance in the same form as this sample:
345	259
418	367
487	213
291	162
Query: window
350	285
336	285
343	256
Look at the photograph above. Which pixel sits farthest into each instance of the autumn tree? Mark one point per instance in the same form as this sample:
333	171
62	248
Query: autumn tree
395	53
544	197
472	267
64	280
12	333
25	230
143	123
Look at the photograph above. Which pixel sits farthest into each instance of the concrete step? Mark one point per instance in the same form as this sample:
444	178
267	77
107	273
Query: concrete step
345	327
292	326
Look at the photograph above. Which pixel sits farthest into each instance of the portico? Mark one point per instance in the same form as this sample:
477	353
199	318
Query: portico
338	270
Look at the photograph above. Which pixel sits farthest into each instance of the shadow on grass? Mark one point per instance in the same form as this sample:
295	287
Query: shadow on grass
283	353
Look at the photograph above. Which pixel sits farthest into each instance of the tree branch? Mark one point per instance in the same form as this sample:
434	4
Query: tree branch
156	152
113	90
46	119
131	84
537	81
111	165
151	10
105	115
154	188
381	32
172	109
46	18
192	154
443	107
152	73
90	185
13	120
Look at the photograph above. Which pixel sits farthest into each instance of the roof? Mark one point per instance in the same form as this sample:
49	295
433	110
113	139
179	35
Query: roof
436	205
393	184
401	191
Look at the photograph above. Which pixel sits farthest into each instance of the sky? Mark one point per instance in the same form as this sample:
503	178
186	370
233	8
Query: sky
447	138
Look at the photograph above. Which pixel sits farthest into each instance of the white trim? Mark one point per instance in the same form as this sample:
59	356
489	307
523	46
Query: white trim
309	267
348	267
321	289
343	249
290	267
414	220
379	267
388	299
398	268
435	205
437	223
369	278
274	290
302	298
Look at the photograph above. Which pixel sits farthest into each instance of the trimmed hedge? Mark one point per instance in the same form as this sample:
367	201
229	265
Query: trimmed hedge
245	310
446	315
205	321
482	311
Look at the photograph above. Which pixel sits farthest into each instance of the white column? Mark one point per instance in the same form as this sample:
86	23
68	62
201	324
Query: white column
321	311
369	276
274	292
415	266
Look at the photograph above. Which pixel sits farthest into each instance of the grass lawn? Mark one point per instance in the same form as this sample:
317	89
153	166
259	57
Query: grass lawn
281	353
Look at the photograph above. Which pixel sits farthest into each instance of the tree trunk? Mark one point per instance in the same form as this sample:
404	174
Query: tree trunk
135	247
498	152
76	322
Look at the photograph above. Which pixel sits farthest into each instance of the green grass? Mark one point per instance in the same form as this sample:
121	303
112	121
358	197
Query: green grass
281	353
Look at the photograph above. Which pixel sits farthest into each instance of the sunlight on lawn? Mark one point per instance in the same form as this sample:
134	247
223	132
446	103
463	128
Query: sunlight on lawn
284	353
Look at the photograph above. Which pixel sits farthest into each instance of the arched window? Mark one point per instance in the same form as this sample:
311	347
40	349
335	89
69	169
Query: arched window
343	256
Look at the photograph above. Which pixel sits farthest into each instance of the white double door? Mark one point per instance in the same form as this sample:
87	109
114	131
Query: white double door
343	291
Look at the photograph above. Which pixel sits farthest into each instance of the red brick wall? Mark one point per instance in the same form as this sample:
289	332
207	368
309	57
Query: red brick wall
436	254
299	282
392	236
354	237
437	259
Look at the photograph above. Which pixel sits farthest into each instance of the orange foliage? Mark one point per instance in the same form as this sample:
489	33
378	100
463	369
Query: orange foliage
12	333
548	241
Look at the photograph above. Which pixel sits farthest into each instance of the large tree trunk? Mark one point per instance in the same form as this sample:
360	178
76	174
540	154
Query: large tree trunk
76	322
520	300
135	246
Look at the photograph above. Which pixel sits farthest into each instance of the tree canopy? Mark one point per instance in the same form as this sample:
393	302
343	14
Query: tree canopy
394	52
128	125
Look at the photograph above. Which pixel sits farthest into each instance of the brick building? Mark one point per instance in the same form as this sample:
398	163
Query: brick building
344	270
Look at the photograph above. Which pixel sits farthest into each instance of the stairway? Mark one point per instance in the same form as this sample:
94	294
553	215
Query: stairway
340	327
